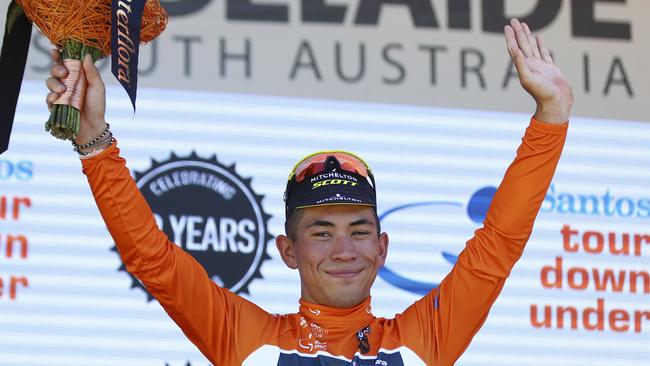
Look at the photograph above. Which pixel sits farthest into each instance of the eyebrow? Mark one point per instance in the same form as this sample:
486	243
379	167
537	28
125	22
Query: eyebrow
361	222
331	224
321	223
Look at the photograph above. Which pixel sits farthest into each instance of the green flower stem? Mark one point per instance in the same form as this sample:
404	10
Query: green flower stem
64	119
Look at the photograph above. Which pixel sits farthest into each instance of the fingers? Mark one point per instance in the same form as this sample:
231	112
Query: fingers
511	41
56	89
57	71
515	52
55	85
50	99
544	52
531	40
92	73
56	56
519	37
522	40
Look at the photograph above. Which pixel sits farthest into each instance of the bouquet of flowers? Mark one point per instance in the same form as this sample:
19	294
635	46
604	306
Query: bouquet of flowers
80	27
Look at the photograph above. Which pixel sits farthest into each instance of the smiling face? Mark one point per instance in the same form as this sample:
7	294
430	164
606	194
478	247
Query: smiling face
338	253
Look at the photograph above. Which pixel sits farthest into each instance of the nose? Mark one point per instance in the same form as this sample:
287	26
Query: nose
344	249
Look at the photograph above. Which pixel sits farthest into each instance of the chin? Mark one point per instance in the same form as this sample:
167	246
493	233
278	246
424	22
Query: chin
346	299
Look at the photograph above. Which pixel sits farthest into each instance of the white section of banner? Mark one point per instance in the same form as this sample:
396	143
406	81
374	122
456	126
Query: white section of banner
64	302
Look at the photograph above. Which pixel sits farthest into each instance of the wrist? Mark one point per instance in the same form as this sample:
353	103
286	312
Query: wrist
98	143
90	132
95	148
553	112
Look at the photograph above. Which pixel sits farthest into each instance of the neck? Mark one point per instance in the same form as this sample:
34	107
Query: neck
335	320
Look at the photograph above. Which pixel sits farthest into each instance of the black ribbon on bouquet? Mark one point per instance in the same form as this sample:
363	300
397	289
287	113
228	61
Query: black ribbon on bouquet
13	57
126	19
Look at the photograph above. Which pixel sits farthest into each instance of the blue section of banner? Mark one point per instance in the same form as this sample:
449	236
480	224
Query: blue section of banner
397	280
126	17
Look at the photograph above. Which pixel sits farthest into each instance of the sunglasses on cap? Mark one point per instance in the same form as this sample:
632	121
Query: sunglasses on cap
315	163
329	178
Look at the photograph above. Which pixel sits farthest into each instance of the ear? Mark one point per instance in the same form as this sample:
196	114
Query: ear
286	248
383	247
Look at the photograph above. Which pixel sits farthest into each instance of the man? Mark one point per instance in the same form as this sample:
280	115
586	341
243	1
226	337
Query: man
333	239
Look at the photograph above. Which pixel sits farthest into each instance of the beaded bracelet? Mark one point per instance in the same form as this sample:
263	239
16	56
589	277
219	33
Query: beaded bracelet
110	141
99	142
96	141
107	130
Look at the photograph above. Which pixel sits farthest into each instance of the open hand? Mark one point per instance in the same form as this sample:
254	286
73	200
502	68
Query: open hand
92	121
538	74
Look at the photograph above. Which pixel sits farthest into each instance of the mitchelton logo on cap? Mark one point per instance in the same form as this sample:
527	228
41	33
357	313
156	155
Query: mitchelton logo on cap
330	185
212	213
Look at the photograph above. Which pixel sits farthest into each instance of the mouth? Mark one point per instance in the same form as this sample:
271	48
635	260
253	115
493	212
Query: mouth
344	273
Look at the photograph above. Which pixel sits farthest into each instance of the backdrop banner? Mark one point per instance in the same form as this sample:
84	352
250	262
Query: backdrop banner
423	52
579	295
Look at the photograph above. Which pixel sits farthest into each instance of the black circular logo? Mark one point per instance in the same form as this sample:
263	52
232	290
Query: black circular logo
212	213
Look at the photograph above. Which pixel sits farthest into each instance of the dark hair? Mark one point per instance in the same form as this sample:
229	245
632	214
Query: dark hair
291	224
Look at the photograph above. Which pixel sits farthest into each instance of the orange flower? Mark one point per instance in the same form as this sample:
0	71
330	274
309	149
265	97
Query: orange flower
87	21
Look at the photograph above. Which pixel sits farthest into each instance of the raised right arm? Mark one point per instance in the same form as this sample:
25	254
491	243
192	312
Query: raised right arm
214	319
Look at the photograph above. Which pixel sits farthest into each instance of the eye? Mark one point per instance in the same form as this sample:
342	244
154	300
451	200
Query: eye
360	233
321	234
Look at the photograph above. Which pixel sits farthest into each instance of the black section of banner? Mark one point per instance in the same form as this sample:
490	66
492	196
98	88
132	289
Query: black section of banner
126	19
18	31
183	7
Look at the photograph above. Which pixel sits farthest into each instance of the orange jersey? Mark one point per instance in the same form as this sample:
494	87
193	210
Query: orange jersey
230	330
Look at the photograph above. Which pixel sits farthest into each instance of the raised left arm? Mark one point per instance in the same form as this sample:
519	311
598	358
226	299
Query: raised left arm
440	326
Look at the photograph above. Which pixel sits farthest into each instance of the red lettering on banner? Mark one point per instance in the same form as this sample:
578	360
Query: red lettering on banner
619	315
584	278
14	282
16	203
588	240
593	242
567	233
608	277
589	318
638	316
10	242
598	311
579	278
557	274
9	245
625	247
639	240
634	276
13	246
573	312
534	319
560	276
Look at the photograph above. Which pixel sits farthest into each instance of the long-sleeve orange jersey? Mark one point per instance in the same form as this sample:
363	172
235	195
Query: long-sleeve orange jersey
230	330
